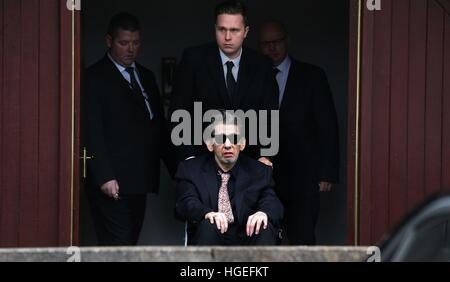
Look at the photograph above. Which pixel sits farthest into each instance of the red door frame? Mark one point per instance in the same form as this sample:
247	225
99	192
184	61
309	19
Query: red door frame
70	114
353	121
355	7
77	90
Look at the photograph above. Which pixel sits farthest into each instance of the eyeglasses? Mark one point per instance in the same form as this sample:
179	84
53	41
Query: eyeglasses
220	139
272	42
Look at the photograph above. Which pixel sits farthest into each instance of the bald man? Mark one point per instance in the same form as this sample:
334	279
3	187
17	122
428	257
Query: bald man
308	159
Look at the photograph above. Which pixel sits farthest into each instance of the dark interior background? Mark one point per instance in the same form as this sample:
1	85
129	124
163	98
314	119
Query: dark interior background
318	35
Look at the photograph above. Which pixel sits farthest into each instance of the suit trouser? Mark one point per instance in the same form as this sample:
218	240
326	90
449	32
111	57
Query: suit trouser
117	222
301	201
207	234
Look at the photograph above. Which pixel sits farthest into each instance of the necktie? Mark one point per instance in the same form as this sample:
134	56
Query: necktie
137	90
231	83
280	96
224	203
276	71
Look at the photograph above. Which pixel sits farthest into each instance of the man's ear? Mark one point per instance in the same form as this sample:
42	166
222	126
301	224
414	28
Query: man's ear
108	40
242	144
209	145
247	29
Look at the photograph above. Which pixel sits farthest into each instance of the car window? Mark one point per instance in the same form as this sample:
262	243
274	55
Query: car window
429	241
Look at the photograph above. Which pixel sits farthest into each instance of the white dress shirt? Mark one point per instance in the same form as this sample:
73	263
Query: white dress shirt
282	76
126	75
236	61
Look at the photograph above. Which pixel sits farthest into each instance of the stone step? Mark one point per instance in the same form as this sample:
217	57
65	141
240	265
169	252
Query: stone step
187	254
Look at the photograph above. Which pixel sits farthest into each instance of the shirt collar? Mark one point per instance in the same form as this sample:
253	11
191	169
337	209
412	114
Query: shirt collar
225	59
119	66
233	172
285	65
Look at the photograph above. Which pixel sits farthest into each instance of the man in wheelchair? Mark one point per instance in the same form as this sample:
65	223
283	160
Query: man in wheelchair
227	198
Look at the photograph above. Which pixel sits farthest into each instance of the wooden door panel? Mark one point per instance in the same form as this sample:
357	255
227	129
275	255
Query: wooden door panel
38	126
404	112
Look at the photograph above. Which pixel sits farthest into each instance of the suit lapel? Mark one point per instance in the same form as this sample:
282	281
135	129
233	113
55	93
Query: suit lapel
296	80
240	186
123	83
151	90
210	181
216	71
244	79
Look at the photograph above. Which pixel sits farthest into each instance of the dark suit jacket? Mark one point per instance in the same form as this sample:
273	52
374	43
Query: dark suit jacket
125	143
197	191
200	78
309	145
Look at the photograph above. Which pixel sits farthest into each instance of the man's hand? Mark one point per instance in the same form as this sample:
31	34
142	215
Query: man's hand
220	219
325	186
111	189
265	161
254	223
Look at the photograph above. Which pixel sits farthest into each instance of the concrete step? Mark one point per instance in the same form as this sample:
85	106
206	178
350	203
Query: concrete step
187	254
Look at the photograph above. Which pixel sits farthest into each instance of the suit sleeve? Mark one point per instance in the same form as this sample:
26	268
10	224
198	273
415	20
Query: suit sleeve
166	153
182	99
270	100
271	94
268	201
99	167
188	205
327	129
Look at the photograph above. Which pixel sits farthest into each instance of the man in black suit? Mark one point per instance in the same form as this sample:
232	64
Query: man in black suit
225	75
126	134
227	198
308	159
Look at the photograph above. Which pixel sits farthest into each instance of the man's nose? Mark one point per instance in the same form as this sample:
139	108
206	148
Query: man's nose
227	144
272	46
227	35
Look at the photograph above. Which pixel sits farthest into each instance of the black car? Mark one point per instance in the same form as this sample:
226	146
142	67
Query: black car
424	235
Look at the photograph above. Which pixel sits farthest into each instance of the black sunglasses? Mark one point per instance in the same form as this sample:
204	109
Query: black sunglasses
220	139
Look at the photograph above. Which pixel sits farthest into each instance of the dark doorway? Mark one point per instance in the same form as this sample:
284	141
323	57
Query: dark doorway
319	35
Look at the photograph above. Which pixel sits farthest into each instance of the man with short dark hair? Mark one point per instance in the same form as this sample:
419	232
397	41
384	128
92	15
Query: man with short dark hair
126	135
225	74
227	198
